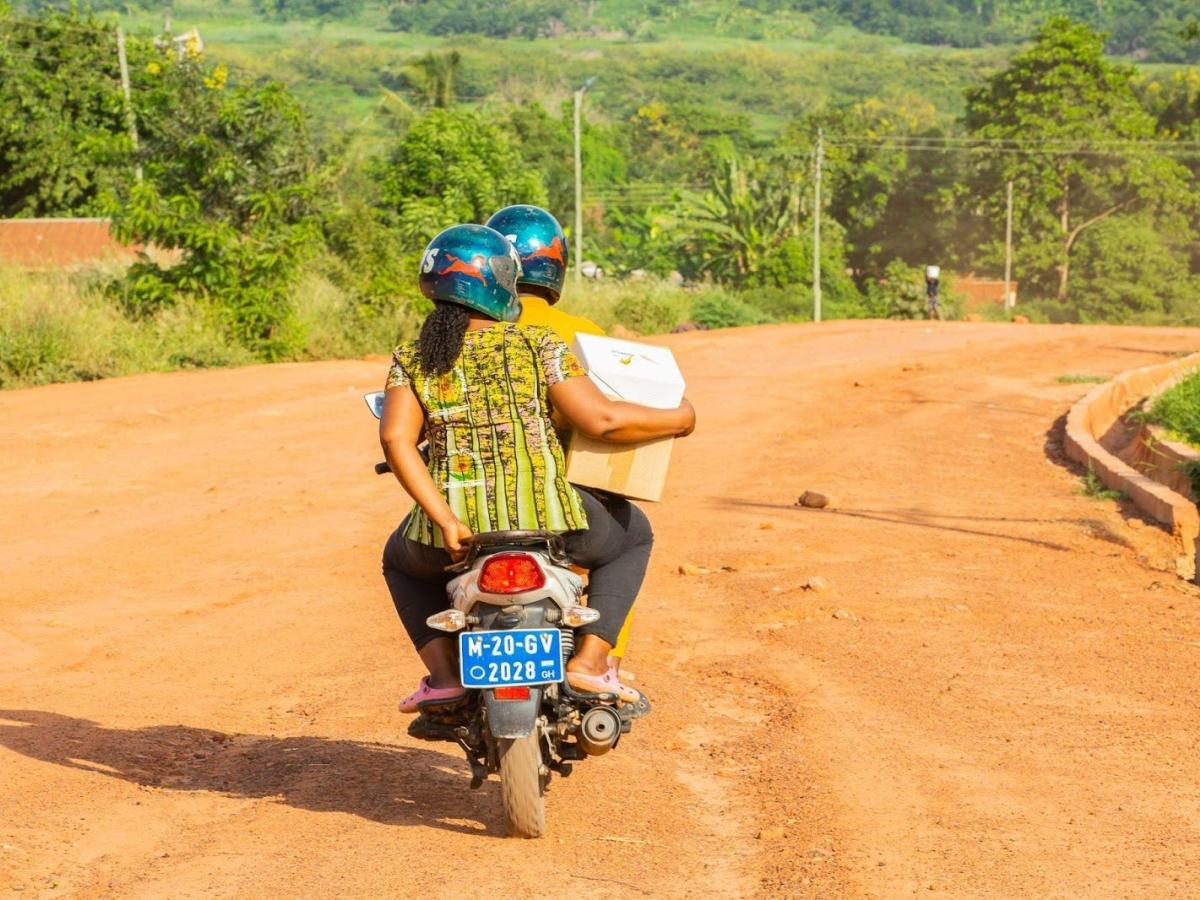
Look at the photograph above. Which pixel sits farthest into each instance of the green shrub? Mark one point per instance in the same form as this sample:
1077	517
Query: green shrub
649	306
1179	409
786	304
646	314
1049	310
900	294
718	309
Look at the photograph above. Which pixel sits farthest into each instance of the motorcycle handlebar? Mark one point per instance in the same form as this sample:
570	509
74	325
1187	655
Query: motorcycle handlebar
382	468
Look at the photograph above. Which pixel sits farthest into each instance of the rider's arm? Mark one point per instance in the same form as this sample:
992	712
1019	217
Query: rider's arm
400	429
591	413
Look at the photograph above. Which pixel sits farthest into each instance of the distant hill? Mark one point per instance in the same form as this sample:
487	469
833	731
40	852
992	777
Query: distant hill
1147	30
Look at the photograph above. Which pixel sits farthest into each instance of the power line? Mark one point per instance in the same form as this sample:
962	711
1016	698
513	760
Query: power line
967	139
1183	152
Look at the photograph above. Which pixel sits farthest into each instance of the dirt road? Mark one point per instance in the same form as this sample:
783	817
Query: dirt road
995	696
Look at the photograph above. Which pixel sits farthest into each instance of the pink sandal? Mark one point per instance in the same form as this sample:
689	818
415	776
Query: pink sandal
430	695
608	683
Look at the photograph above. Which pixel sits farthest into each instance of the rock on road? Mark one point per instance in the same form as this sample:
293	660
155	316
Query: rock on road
991	694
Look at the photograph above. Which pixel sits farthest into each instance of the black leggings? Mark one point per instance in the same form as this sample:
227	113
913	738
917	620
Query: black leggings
615	548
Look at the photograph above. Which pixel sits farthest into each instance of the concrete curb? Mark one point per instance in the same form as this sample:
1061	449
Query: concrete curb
1095	414
1168	462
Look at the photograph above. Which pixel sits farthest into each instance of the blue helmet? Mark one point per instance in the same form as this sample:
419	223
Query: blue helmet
541	245
473	266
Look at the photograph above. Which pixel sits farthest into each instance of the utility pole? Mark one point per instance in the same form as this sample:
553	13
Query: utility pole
1009	300
818	159
130	119
578	236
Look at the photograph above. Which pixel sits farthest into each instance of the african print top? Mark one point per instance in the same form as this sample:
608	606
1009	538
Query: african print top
492	447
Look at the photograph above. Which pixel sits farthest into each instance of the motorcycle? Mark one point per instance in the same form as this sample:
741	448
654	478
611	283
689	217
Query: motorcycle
515	604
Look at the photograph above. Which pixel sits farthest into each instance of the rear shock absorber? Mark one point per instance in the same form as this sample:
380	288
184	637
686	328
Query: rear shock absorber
568	644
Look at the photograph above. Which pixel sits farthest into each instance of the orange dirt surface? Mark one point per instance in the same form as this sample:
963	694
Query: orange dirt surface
992	695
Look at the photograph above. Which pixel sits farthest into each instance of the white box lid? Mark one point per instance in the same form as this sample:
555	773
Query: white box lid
629	370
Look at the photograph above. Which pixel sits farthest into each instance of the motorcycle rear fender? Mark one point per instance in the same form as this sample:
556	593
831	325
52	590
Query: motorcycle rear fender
512	718
562	586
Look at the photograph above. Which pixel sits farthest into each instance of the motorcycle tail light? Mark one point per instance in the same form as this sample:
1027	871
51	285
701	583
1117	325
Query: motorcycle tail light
579	615
511	573
512	693
448	620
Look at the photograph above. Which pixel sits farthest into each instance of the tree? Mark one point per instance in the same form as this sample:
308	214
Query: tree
1067	128
290	10
452	166
1137	267
493	18
231	185
892	201
63	137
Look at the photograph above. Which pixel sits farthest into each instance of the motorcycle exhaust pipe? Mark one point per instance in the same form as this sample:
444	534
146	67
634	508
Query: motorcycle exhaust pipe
599	730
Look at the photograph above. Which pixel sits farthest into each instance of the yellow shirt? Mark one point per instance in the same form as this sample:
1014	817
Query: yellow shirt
536	311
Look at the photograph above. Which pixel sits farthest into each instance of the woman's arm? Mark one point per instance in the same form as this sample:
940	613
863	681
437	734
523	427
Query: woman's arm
400	429
591	413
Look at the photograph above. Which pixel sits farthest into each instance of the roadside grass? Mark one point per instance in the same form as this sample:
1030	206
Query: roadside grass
63	326
59	326
1081	379
1178	410
1093	487
652	306
333	326
646	307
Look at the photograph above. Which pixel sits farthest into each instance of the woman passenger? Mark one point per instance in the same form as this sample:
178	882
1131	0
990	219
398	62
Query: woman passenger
483	390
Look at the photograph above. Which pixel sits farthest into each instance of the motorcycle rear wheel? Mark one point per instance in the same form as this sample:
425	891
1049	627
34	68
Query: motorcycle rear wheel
521	786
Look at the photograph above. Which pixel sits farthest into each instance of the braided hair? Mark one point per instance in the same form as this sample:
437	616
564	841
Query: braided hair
441	340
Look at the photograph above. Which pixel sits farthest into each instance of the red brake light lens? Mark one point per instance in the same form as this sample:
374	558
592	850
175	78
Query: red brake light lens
512	693
511	573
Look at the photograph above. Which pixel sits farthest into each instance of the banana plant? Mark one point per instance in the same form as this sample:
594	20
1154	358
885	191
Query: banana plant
729	229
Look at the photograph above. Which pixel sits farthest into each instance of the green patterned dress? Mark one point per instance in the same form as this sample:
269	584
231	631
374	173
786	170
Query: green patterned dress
493	451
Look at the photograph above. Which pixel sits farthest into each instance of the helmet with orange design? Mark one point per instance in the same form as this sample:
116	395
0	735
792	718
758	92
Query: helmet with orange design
473	266
540	244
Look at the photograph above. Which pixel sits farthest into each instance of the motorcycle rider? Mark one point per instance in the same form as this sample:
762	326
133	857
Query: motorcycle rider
545	255
482	388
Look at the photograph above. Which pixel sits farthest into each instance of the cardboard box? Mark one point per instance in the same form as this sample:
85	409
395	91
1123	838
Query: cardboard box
638	373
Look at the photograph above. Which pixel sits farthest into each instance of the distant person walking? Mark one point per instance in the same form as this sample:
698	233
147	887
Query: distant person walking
932	275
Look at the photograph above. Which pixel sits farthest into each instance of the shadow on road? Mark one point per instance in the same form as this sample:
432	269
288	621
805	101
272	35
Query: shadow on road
387	784
1154	351
922	519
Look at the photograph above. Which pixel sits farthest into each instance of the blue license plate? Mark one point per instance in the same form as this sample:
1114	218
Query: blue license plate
490	659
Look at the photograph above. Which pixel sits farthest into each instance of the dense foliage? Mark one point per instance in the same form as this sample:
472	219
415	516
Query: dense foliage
63	137
1086	149
493	18
230	185
287	10
452	166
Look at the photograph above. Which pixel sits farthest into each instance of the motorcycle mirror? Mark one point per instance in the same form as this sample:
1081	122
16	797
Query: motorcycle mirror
374	401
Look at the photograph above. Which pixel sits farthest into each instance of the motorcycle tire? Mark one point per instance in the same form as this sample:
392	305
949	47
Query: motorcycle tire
522	786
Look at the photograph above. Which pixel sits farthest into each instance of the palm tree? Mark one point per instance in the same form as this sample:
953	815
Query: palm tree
434	74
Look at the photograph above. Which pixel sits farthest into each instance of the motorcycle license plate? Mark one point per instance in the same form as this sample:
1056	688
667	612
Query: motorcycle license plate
490	659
